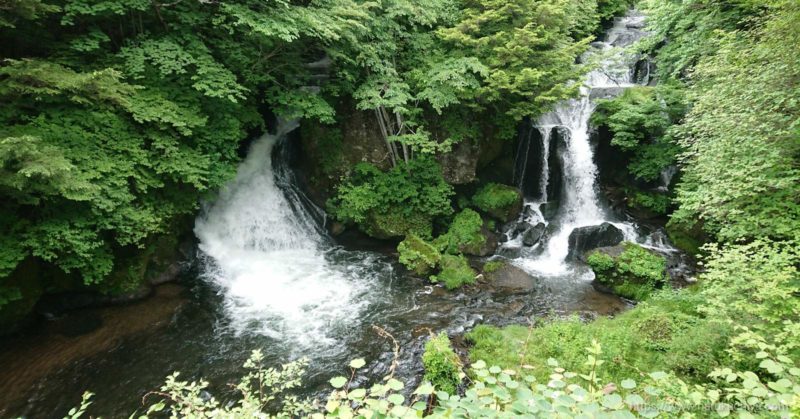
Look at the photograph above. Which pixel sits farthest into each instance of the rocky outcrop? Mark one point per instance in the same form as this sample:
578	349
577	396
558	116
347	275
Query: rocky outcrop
583	239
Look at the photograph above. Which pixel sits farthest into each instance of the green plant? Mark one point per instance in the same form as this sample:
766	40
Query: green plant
418	255
442	366
455	272
392	204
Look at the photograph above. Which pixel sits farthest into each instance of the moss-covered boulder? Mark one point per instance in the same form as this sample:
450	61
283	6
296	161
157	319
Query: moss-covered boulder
628	270
499	201
686	238
455	272
468	234
395	224
418	255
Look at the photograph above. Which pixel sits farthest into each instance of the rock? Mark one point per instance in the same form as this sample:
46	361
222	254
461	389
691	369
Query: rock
336	228
549	209
533	234
511	279
627	269
460	164
587	238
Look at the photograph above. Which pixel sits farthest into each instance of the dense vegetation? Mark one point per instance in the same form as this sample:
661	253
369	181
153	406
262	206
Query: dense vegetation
117	117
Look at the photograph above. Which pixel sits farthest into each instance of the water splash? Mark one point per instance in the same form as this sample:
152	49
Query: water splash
270	259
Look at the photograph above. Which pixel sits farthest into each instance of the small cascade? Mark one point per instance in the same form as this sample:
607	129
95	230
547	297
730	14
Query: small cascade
265	251
577	199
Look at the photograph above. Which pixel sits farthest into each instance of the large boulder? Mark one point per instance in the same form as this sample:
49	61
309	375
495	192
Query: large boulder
532	235
628	270
587	238
508	278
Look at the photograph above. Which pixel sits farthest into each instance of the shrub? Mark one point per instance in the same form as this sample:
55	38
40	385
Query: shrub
391	204
418	255
442	366
455	272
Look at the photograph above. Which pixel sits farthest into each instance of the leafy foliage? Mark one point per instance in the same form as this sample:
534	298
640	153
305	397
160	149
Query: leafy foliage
464	234
741	136
409	190
442	366
498	200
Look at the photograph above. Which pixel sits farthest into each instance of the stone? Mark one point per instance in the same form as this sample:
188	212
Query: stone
511	279
533	234
549	209
587	238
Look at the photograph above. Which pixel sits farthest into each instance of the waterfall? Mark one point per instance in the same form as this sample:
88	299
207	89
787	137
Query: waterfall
580	204
268	257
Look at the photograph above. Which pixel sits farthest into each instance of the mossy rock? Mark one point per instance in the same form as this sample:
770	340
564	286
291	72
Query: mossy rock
687	239
418	255
499	201
455	272
468	234
396	224
628	270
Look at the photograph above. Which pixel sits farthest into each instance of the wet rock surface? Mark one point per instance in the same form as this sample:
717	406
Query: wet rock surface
583	239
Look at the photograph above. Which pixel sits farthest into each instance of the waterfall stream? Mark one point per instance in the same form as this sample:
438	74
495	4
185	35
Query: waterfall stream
269	257
578	202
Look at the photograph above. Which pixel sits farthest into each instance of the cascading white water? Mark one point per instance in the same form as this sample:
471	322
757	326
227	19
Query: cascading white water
267	256
580	205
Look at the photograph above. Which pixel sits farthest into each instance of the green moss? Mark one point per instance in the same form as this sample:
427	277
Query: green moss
442	366
690	240
494	196
455	272
493	266
387	225
634	274
464	234
664	333
418	255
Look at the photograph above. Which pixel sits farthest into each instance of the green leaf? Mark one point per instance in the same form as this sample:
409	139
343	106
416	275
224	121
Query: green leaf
357	363
338	382
628	384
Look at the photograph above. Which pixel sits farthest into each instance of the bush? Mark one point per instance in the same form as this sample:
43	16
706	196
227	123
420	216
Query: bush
418	255
403	200
455	272
635	273
499	201
649	336
442	366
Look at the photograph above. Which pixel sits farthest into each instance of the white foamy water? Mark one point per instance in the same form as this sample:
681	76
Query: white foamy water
269	259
